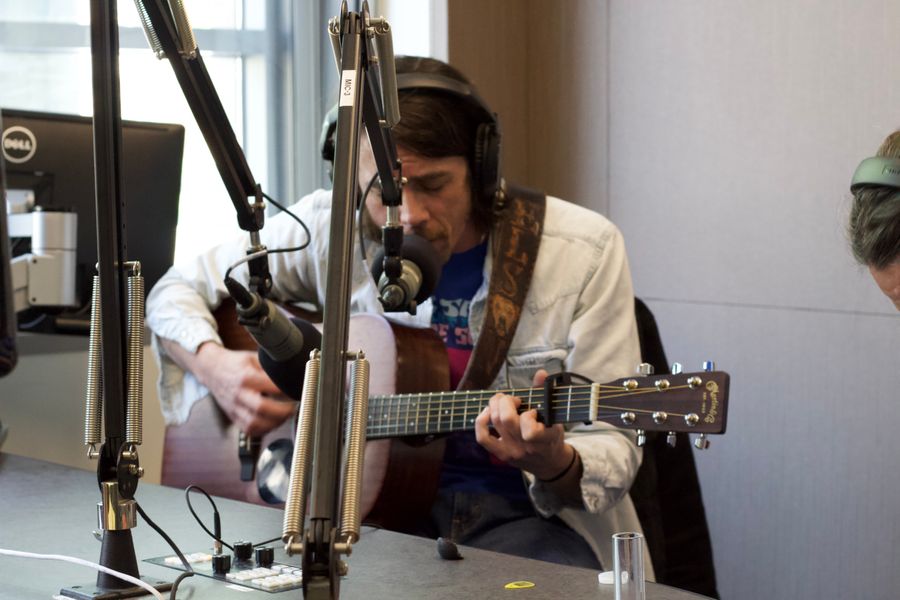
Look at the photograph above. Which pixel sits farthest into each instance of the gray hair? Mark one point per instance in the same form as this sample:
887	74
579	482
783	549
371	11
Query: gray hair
874	227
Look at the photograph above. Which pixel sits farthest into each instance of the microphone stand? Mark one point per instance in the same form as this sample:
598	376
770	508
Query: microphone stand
169	34
118	466
321	543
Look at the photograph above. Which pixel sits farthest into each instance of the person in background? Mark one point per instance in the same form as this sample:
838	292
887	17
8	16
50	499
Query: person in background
874	227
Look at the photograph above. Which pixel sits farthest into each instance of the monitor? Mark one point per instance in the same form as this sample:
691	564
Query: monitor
50	159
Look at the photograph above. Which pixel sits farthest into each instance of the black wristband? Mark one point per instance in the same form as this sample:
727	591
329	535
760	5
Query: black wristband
564	471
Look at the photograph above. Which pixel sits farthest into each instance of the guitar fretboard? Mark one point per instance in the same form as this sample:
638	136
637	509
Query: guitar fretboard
443	412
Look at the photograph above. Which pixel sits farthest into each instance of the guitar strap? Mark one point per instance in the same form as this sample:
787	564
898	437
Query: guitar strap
516	237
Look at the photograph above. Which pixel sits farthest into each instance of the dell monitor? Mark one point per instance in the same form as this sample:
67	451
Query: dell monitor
50	163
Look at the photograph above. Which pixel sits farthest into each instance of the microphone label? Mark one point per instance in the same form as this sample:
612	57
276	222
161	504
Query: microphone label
348	88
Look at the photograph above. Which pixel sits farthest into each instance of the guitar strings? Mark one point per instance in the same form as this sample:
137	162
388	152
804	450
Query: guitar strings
562	397
466	399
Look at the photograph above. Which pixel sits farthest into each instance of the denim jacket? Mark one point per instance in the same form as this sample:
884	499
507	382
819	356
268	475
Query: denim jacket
578	316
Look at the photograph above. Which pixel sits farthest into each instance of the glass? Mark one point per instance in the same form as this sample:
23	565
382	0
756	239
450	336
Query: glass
203	14
628	565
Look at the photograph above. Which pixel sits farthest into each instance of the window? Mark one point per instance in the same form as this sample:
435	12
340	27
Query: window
264	58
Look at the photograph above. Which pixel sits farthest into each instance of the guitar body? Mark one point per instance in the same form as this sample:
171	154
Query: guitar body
400	475
203	451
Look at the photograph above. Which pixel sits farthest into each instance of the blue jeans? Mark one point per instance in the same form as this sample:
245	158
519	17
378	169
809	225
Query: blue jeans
492	522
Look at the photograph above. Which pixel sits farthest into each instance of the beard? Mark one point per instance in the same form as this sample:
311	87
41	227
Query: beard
438	240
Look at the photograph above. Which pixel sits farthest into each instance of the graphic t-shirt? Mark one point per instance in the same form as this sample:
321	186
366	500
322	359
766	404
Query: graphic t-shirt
467	466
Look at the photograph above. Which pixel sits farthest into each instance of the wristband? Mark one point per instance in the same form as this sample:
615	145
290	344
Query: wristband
564	471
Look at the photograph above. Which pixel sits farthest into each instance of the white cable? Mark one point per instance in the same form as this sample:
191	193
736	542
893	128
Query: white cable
249	257
85	563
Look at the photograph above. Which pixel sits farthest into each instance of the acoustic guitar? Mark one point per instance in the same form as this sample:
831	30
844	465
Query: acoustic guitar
409	406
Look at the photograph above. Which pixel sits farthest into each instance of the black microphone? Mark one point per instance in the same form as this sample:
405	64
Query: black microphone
288	373
284	343
419	274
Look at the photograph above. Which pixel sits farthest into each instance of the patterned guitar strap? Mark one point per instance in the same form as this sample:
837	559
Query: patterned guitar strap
516	239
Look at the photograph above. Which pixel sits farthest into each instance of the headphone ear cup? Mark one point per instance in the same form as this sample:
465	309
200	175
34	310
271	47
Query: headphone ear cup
486	176
326	138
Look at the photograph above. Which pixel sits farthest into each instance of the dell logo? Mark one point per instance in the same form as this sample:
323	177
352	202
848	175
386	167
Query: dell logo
19	144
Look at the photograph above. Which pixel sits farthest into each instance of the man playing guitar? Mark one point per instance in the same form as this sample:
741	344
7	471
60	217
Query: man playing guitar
516	485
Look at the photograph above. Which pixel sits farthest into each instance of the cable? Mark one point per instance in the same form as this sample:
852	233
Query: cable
247	258
294	217
267	542
217	536
254	255
86	563
359	212
189	571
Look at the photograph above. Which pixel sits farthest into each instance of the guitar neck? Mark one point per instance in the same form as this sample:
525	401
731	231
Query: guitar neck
444	412
688	402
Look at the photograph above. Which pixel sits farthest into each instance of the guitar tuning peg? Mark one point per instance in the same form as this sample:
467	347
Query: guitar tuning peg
701	443
641	438
677	368
645	369
671	439
709	365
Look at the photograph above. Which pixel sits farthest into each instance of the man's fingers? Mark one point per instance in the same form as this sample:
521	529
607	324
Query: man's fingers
482	428
530	427
508	413
258	380
539	376
268	407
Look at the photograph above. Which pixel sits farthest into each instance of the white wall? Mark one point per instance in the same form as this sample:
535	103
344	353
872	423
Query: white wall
734	128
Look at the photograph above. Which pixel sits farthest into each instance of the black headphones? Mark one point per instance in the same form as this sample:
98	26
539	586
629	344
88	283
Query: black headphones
877	170
486	164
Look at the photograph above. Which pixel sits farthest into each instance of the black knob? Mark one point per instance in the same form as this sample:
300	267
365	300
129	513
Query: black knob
221	563
243	551
265	556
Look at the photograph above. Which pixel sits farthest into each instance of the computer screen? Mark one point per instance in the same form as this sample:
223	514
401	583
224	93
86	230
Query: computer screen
50	158
7	314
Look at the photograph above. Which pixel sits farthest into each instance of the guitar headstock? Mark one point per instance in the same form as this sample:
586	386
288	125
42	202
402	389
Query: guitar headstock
682	402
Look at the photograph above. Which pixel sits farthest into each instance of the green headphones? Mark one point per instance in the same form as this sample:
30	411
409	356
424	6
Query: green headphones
877	170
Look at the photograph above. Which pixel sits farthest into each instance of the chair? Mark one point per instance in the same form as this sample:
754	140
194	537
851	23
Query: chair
666	493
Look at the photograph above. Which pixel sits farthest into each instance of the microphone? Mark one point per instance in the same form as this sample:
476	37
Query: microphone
284	343
420	271
288	373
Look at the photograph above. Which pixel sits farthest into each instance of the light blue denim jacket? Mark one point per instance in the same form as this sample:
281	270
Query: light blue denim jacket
578	316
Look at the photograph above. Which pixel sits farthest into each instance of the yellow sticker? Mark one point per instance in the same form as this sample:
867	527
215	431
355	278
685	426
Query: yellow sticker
518	585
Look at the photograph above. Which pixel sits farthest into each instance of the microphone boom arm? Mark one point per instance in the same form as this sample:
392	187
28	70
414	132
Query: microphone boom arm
162	25
169	34
322	543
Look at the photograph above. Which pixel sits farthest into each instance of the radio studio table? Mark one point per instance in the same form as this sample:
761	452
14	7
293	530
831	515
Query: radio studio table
51	509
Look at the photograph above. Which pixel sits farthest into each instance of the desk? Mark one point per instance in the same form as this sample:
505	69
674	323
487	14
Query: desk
50	509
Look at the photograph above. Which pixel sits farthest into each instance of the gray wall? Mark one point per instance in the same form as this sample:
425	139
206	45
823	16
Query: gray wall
721	137
733	131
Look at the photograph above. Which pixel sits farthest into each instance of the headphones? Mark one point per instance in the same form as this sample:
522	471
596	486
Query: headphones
486	164
877	170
